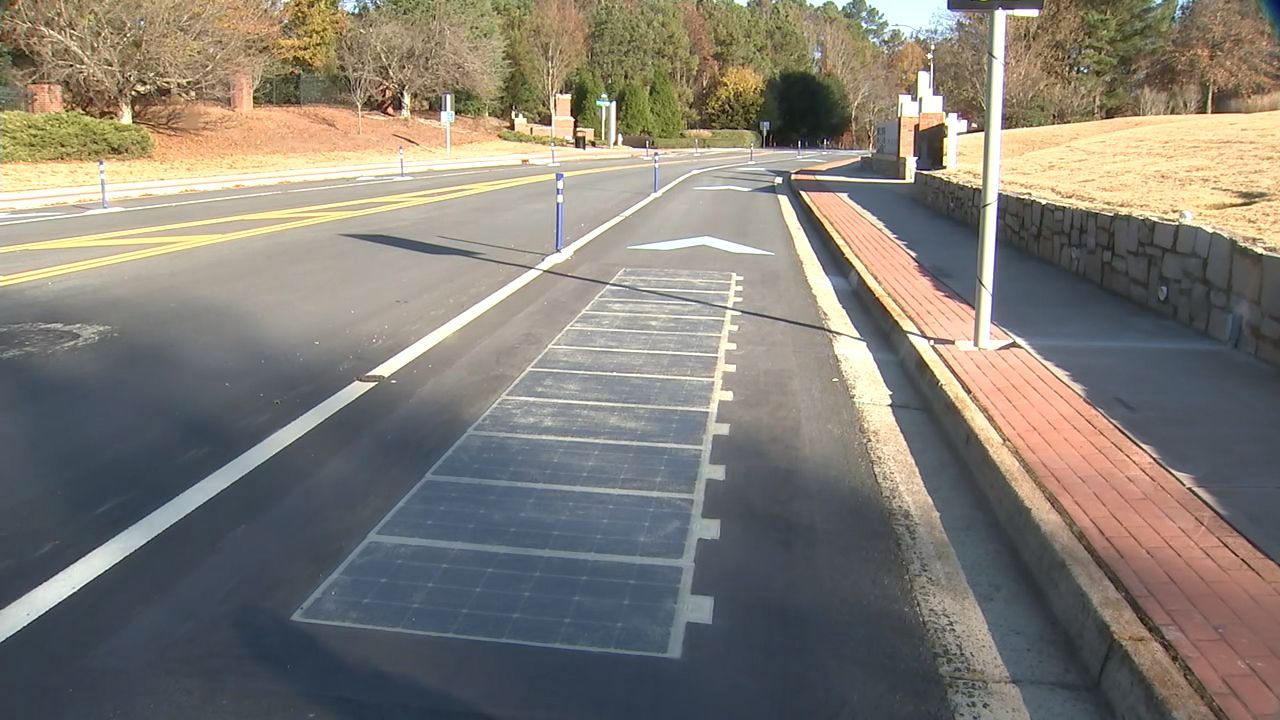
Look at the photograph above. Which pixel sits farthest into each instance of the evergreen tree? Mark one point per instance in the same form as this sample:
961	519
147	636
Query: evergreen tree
635	116
586	89
668	118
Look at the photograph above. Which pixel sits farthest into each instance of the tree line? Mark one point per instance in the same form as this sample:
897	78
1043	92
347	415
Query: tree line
815	71
1094	59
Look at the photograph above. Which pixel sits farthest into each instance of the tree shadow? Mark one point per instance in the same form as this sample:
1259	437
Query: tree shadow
433	249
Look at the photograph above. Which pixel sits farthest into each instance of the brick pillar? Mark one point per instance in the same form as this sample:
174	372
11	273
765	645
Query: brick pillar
931	133
44	98
907	136
562	117
241	93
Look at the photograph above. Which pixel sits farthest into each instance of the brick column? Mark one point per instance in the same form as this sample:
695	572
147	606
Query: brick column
44	98
907	136
241	93
562	117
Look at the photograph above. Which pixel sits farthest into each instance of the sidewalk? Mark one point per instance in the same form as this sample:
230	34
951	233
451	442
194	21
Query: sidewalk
1101	399
29	199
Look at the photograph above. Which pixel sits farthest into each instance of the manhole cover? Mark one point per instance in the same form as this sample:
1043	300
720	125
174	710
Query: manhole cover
46	338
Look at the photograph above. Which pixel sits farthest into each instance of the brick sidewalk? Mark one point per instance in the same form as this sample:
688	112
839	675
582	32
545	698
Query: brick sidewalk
1212	595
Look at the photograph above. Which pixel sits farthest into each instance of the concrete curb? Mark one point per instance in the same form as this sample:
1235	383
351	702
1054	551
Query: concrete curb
31	199
1133	670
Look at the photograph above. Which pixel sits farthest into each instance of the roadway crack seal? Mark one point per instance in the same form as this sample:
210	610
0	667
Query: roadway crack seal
1135	672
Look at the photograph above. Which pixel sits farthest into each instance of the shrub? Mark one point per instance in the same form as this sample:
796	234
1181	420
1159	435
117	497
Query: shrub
705	139
25	137
513	136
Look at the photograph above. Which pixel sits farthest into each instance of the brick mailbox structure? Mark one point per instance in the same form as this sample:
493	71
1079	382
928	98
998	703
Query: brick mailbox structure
44	98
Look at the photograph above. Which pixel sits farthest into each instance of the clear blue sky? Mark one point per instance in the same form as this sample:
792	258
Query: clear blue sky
918	13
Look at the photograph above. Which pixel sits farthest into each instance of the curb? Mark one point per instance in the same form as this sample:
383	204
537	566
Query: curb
1132	668
32	199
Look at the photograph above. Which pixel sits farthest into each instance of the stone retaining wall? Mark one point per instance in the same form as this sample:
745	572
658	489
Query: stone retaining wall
1203	278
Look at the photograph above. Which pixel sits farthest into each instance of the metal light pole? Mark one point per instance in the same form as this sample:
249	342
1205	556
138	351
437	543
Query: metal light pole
990	181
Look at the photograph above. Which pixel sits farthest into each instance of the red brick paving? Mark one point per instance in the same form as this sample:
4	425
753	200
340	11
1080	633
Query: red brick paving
1208	590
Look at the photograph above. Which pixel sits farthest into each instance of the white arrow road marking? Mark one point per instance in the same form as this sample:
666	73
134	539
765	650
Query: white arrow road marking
703	240
723	187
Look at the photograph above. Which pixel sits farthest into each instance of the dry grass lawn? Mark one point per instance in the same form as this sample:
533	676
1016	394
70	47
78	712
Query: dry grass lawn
202	140
1223	168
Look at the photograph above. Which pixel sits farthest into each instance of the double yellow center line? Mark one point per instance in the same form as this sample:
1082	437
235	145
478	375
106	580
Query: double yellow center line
165	239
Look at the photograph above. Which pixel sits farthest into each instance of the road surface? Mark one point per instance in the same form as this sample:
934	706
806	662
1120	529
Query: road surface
360	451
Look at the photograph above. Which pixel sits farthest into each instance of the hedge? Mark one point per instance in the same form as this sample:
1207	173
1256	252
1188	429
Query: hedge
709	139
25	137
725	138
513	136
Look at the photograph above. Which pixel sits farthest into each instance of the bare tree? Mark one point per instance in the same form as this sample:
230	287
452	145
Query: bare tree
557	33
1226	45
847	55
108	54
359	59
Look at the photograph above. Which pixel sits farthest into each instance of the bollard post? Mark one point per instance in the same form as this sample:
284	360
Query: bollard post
553	155
401	161
695	147
646	148
751	154
655	173
102	181
559	212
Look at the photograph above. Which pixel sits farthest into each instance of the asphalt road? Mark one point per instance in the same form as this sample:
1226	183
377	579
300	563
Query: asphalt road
128	377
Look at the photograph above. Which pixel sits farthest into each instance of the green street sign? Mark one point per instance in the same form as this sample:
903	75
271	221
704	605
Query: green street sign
992	5
602	101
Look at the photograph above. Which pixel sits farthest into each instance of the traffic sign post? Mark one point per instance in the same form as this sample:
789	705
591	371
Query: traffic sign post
986	271
401	161
559	212
602	102
446	117
102	181
553	162
655	172
764	133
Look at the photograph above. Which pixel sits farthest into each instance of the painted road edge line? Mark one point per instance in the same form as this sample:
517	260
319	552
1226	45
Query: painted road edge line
49	594
965	652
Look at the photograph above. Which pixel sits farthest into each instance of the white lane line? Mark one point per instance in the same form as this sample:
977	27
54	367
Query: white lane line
672	291
534	552
574	438
567	488
589	328
658	315
47	595
242	196
625	350
606	373
977	682
611	298
605	403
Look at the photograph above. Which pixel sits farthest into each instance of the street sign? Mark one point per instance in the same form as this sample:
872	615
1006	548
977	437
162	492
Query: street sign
602	101
764	126
447	117
992	5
